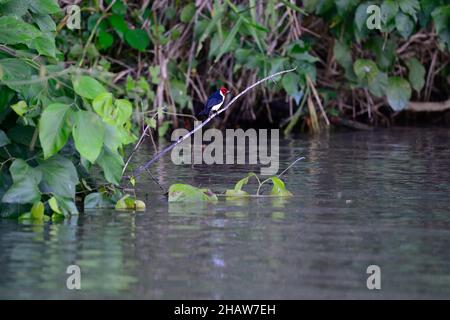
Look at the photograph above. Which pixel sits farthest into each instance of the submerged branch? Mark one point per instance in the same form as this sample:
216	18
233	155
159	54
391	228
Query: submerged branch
173	145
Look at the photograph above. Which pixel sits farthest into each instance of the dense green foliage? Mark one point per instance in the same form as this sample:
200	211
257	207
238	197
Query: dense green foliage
71	100
56	122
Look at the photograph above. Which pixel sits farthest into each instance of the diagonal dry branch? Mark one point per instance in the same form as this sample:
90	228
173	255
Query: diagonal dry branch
187	135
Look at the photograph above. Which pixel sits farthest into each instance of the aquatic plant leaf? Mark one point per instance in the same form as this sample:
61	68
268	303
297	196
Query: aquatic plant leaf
187	193
279	188
53	203
98	200
128	203
37	211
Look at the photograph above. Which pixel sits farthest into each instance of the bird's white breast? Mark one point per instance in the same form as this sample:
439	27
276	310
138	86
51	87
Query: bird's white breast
217	106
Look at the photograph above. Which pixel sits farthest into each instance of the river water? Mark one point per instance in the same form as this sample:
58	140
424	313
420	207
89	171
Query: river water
361	198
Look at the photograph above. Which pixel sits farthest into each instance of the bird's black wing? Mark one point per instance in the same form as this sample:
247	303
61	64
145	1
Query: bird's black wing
213	100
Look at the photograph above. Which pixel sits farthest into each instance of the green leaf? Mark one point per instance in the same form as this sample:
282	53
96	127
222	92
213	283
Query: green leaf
45	6
187	193
226	45
53	203
389	10
290	83
187	13
45	45
105	40
123	111
361	16
88	134
128	203
54	128
37	211
67	206
279	188
365	70
4	140
416	74
137	39
119	25
59	176
379	85
410	7
112	164
87	87
398	93
25	184
45	22
404	24
98	200
237	192
103	105
17	8
20	107
14	30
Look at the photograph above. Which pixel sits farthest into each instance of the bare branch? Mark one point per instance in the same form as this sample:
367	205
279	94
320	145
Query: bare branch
173	145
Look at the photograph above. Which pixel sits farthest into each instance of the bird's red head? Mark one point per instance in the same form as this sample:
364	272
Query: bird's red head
224	91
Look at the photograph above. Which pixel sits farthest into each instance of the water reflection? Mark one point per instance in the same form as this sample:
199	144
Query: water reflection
360	199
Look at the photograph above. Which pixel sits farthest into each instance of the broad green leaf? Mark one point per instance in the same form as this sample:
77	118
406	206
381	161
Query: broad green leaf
67	206
45	22
54	128
410	7
379	85
119	24
20	107
25	184
103	105
105	40
98	200
416	74
16	8
404	24
389	9
112	164
128	203
279	188
59	176
45	45
4	140
361	16
45	6
88	134
187	193
122	111
290	83
187	13
137	39
14	30
87	87
37	211
119	7
365	70
398	93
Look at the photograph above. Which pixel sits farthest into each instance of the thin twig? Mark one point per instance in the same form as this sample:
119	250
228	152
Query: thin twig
213	115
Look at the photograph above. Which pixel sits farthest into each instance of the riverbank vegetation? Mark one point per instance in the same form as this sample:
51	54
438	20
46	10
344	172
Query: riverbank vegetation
73	99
